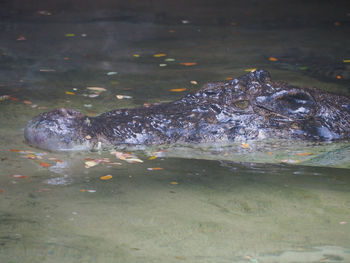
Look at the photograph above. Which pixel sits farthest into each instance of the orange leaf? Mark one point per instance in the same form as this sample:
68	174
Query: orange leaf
159	55
178	90
273	59
13	98
106	177
155	169
245	145
70	93
15	150
83	190
174	182
45	164
27	102
1	191
19	176
188	63
304	154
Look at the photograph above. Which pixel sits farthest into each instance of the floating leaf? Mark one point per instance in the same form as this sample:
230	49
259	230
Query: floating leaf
126	157
70	35
304	154
120	97
19	176
98	89
193	82
15	150
27	102
346	60
106	177
245	145
273	59
250	69
152	157
91	163
4	97
1	191
47	70
178	90
162	65
155	169
44	13
159	55
13	98
290	161
112	73
70	93
21	38
169	59
188	63
303	68
174	182
136	55
339	77
93	95
46	165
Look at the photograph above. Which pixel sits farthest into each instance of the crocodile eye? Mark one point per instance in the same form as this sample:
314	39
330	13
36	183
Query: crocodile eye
293	103
210	92
241	104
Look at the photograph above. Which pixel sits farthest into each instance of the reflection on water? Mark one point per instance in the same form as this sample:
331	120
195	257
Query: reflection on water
53	209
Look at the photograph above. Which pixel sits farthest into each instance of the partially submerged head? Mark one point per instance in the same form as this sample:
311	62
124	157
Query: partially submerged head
58	130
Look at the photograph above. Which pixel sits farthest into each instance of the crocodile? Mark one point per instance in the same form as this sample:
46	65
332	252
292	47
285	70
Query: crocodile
250	107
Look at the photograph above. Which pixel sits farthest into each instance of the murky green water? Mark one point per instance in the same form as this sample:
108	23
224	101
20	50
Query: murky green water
193	209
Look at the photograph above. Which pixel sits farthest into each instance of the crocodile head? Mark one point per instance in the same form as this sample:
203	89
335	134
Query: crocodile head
60	129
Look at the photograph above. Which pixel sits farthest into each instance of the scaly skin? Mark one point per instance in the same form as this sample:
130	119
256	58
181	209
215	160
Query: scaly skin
251	107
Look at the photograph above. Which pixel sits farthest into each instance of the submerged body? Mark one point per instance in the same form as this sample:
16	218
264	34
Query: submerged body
251	107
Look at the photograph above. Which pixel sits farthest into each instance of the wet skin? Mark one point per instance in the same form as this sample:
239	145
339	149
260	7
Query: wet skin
251	107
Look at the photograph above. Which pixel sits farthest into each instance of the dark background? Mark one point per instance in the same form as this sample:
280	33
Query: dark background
219	12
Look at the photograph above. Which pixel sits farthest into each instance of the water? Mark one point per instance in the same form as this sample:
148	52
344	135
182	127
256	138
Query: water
200	206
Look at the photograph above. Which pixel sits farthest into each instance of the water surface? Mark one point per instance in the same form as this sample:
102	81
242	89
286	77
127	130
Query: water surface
202	205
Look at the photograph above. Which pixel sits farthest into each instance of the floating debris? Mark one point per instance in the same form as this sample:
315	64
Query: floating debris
155	169
47	70
130	158
120	97
44	13
188	63
112	73
178	90
96	89
4	97
169	59
159	55
106	177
